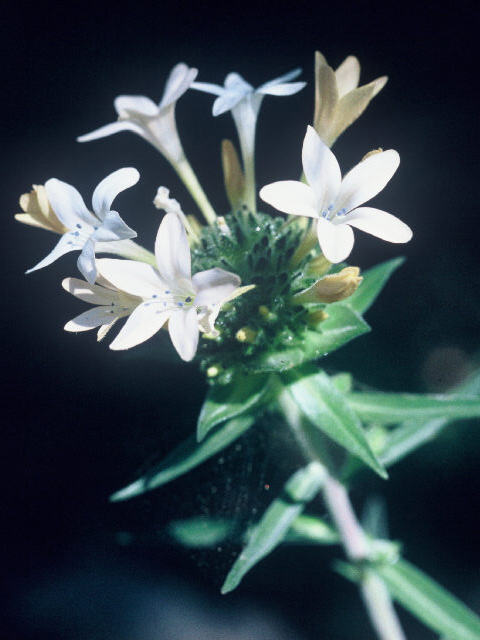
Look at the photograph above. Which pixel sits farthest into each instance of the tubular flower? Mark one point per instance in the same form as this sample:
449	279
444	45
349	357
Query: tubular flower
334	203
339	101
111	304
155	123
86	230
170	293
244	101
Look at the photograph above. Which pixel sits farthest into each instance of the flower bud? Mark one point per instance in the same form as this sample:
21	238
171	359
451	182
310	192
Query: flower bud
38	212
331	288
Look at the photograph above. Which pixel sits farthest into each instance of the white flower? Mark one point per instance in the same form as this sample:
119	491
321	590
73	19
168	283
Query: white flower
334	203
111	304
88	230
169	293
244	101
155	123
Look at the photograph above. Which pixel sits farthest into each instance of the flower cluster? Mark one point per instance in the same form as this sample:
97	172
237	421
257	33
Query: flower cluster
289	281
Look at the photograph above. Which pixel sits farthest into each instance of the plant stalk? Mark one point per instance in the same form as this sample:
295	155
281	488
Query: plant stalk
355	543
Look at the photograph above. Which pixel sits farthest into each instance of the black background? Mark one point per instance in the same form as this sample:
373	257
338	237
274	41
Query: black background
79	421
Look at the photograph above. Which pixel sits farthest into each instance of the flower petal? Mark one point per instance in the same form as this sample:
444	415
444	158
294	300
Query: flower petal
143	323
68	204
380	224
64	245
336	241
91	293
91	318
183	329
179	81
290	75
110	129
135	105
286	89
291	197
208	87
321	169
352	105
367	179
86	262
112	229
109	188
213	286
172	251
347	75
135	278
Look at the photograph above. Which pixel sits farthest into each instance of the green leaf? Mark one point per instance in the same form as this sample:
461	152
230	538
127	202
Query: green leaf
328	410
241	395
201	531
186	457
342	381
311	530
373	282
429	602
273	526
391	408
342	325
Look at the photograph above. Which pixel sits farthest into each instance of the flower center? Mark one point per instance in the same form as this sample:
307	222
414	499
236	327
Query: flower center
170	300
330	214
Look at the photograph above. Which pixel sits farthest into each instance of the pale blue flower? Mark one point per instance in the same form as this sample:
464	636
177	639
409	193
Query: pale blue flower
88	231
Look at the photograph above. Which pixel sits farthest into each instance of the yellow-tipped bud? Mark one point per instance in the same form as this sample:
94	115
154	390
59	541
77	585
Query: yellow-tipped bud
38	212
315	317
318	266
331	288
213	371
266	314
246	334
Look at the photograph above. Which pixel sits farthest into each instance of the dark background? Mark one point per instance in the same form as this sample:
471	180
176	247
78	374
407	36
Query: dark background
79	421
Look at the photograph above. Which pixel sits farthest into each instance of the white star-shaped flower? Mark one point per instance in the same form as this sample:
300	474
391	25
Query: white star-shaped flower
86	230
110	305
244	101
334	203
153	122
169	293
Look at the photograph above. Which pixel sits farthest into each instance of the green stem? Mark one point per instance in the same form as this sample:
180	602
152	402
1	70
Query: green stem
189	179
354	541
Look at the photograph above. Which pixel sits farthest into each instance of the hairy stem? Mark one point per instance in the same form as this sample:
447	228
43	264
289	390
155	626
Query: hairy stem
354	541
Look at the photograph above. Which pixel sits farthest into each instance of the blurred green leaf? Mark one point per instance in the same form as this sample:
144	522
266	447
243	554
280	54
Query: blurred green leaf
342	325
427	600
186	457
373	282
277	519
311	530
342	381
392	408
242	394
328	410
201	531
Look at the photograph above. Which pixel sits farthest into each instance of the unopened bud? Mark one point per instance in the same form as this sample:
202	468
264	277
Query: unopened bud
38	212
331	288
315	317
213	371
266	314
246	334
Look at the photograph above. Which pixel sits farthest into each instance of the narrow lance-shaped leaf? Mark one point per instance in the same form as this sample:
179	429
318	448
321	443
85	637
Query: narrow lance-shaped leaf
225	402
426	599
391	408
342	325
373	282
307	529
274	524
186	457
412	434
327	409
